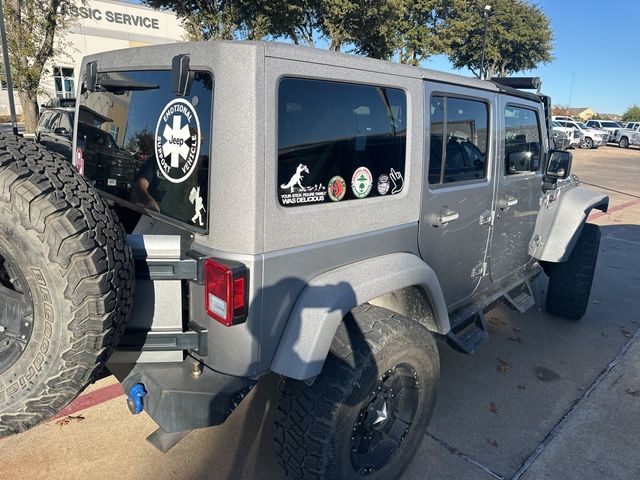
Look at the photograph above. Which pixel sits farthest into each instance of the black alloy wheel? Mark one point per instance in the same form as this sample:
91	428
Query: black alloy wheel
385	419
16	312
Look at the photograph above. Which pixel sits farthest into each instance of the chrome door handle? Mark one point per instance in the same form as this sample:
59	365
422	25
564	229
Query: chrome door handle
507	202
442	219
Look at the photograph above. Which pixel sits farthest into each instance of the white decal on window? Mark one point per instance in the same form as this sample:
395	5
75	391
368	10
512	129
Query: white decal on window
196	200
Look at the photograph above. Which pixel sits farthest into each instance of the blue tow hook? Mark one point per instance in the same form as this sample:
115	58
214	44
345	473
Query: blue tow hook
134	399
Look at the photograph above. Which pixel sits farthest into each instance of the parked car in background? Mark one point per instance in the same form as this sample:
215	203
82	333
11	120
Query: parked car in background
55	130
628	136
561	117
59	103
589	137
110	166
564	137
608	125
632	125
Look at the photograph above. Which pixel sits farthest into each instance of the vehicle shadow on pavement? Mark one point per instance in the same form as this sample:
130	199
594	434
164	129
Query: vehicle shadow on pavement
494	407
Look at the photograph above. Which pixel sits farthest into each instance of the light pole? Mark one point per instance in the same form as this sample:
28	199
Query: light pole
485	14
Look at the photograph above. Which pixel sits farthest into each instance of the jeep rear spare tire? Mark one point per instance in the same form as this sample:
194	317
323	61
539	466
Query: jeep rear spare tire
570	282
66	280
365	415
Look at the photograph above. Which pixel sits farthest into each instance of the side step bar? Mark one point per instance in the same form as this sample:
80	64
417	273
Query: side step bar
467	334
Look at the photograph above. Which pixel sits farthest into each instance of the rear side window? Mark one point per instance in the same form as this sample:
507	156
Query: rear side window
65	122
522	145
339	141
458	140
147	147
45	119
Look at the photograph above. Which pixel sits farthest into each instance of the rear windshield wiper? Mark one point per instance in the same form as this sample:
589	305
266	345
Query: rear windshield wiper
116	85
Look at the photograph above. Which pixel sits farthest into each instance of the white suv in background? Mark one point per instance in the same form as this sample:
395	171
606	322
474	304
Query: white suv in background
590	137
608	125
565	137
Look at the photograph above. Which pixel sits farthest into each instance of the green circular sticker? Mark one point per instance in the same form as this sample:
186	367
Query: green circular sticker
336	188
361	182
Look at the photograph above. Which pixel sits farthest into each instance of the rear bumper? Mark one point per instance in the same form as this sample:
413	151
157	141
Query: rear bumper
179	401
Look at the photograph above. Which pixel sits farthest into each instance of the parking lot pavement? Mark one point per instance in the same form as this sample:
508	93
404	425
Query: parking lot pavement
545	398
8	127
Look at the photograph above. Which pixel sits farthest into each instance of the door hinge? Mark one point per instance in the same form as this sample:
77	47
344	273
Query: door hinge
487	217
479	270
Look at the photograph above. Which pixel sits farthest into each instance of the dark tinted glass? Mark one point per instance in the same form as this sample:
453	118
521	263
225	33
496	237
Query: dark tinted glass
146	146
45	118
339	141
463	123
65	122
522	147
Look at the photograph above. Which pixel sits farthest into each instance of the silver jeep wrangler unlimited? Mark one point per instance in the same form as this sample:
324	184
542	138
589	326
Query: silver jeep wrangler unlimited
287	210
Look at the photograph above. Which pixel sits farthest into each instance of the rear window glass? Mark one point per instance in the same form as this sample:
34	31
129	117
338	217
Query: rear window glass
146	146
339	141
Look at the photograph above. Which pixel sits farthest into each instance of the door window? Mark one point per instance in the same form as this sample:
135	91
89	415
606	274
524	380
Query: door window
522	147
65	122
45	119
55	120
458	140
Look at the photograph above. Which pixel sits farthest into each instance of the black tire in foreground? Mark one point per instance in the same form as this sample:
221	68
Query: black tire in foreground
66	284
624	142
367	412
570	282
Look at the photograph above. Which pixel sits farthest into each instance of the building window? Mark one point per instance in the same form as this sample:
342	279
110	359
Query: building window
64	82
114	130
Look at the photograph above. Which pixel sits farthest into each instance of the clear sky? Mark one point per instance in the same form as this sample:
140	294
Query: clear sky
596	43
599	43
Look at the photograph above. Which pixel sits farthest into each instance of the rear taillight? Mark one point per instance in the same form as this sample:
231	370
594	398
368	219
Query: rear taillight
78	161
225	291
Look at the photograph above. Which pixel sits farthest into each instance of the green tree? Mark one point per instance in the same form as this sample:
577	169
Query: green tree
519	37
34	29
412	30
424	29
631	114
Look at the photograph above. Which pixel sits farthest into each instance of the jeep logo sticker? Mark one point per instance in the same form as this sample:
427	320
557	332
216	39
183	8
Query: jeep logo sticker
177	140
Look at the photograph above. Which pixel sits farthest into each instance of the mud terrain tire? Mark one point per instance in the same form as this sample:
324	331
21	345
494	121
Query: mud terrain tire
570	282
322	429
68	272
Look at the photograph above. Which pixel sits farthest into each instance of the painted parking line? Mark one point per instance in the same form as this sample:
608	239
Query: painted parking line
91	399
88	400
617	208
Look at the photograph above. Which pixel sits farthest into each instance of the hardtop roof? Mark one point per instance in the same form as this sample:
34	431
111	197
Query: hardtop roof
305	54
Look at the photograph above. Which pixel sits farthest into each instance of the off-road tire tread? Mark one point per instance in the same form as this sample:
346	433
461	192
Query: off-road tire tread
86	240
303	427
570	282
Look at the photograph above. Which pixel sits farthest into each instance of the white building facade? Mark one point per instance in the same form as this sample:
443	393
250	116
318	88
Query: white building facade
100	25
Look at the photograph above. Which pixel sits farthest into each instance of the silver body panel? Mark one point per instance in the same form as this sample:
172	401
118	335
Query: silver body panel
293	253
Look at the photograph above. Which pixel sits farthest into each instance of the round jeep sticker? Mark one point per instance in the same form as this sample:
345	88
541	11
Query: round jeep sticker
361	182
177	141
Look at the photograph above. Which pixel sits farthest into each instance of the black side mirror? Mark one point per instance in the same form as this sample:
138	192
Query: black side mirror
559	165
61	131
